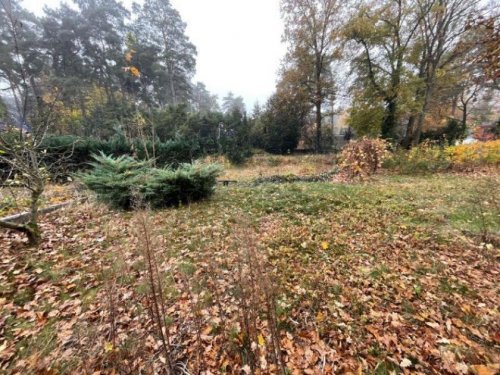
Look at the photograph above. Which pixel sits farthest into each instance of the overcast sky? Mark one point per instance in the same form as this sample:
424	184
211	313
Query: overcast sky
238	41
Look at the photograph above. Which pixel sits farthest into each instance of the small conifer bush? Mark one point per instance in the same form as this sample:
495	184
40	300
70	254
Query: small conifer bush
122	181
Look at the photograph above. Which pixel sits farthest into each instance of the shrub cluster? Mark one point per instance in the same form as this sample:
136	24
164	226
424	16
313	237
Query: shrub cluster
427	157
362	158
453	131
238	156
123	181
475	154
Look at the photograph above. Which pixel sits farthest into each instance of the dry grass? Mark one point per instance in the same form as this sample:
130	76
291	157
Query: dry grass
262	165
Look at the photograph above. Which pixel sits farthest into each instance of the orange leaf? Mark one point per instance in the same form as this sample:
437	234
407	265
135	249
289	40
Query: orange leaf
485	369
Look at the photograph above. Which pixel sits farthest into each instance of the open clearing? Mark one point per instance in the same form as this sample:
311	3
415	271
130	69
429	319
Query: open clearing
399	274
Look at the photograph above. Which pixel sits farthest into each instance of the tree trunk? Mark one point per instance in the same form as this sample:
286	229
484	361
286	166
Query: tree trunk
31	228
421	116
389	124
409	132
464	116
172	87
33	233
83	109
318	127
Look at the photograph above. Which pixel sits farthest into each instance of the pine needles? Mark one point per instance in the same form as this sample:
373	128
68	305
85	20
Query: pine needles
120	181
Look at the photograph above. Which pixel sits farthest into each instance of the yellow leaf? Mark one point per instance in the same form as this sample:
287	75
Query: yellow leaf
261	340
325	245
320	317
134	71
108	347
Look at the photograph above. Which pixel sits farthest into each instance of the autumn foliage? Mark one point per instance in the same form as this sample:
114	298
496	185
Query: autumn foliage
480	153
362	158
386	277
429	157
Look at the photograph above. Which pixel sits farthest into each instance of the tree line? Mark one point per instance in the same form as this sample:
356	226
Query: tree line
407	61
93	68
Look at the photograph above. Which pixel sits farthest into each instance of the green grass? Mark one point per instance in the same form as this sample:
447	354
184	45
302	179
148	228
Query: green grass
444	202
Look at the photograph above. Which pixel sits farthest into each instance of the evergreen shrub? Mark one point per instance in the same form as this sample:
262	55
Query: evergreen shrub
72	153
122	181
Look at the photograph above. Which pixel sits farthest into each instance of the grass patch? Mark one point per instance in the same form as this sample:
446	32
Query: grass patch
359	266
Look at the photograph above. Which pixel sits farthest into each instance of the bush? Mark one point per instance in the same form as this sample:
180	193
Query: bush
453	131
430	158
122	181
273	161
425	158
70	153
238	156
171	153
115	180
363	157
476	154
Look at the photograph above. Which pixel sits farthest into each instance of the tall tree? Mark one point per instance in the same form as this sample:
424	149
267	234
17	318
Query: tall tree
102	35
21	64
158	24
202	100
231	103
444	25
21	60
385	31
312	31
62	41
282	122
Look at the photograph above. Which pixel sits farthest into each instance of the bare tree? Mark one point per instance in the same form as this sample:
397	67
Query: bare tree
21	144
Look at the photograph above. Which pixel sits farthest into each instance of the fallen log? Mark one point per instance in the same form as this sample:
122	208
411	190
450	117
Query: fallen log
25	216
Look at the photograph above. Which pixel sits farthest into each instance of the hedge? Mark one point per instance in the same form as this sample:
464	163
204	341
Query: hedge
70	153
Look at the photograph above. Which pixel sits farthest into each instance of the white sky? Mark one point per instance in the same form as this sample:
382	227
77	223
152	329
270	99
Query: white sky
238	41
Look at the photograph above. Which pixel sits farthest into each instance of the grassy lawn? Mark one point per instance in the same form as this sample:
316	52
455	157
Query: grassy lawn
395	275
